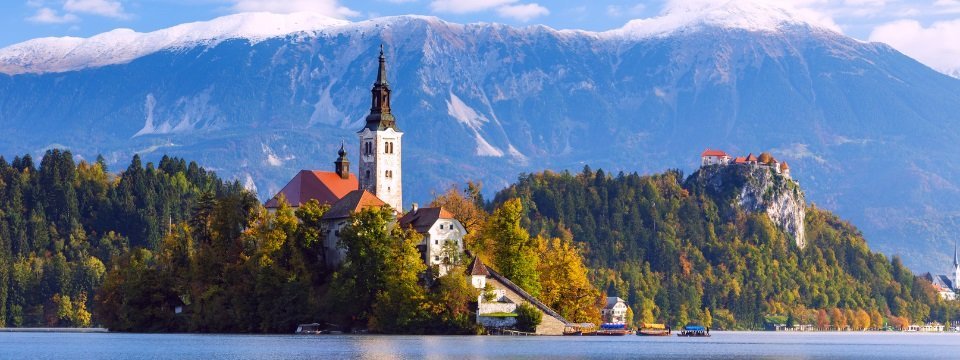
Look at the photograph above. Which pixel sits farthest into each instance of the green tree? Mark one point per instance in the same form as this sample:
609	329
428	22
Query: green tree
514	252
528	318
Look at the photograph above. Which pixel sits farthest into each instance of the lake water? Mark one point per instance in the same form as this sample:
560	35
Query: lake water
723	345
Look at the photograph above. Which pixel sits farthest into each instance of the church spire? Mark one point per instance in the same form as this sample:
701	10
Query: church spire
956	259
382	71
380	117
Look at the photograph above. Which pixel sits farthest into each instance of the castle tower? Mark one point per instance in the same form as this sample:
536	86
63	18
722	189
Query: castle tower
380	149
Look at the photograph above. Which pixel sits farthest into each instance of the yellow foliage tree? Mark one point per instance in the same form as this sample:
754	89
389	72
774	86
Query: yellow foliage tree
564	285
863	319
876	319
837	319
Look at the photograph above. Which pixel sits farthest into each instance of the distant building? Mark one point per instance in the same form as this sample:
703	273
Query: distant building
718	157
714	157
948	285
615	311
506	296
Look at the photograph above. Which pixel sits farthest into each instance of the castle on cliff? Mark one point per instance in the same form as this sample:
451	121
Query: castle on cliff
718	157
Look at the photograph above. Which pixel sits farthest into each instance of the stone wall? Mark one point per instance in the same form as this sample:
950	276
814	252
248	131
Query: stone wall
548	326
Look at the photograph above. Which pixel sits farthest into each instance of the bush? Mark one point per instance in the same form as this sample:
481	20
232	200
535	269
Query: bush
528	318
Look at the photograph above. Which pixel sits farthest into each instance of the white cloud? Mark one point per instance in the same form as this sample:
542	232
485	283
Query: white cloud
106	8
466	6
938	45
505	8
621	11
523	12
47	15
330	8
947	6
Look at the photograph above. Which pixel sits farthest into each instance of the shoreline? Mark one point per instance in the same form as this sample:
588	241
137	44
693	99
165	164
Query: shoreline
54	330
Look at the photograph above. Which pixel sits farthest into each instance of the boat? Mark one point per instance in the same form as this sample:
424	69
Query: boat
694	331
613	329
653	330
309	329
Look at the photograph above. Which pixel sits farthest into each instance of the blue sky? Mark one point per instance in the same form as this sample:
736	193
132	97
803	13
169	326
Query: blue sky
928	30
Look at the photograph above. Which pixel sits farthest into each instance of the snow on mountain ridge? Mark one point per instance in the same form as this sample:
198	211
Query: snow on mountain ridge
123	45
750	15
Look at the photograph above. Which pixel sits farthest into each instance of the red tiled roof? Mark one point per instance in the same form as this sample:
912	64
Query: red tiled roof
740	160
717	153
477	268
352	203
751	158
422	219
324	186
784	166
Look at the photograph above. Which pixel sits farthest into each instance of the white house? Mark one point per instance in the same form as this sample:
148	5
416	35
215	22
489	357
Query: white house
442	235
714	157
615	310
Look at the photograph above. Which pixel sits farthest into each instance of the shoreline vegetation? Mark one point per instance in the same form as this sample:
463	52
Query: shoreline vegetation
170	247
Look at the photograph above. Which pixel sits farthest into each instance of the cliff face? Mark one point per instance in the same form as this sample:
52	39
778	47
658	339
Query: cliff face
758	189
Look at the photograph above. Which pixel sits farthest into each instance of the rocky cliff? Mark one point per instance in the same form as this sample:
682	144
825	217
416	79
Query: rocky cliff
758	189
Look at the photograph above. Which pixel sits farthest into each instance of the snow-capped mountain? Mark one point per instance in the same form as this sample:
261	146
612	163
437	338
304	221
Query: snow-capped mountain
869	132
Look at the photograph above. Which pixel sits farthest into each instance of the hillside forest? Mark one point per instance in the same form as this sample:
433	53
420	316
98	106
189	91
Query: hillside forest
171	247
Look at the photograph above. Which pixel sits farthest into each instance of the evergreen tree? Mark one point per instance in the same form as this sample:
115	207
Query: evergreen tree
514	251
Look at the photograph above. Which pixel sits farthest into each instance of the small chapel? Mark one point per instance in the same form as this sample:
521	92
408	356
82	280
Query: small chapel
947	286
378	183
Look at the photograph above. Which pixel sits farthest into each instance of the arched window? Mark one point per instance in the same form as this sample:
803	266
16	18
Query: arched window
367	175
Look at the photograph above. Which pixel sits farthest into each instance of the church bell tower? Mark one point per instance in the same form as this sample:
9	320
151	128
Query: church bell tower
380	146
956	267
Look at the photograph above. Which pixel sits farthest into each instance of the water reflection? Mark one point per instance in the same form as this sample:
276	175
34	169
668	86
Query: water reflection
744	345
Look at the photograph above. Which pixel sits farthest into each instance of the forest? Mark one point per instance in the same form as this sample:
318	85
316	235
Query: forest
173	248
678	253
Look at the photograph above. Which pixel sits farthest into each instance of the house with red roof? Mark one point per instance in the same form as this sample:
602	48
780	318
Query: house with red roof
443	234
714	157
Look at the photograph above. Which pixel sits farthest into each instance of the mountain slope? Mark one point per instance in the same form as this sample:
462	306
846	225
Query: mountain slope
868	130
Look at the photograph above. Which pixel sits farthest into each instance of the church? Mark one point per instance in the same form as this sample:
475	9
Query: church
378	183
947	285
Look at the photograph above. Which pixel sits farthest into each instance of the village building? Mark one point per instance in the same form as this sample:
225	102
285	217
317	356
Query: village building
948	285
378	184
615	311
442	236
494	310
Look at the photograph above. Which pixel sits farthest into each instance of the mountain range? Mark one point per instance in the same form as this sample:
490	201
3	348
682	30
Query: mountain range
869	132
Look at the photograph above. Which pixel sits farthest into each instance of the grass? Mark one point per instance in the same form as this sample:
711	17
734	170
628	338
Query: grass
500	314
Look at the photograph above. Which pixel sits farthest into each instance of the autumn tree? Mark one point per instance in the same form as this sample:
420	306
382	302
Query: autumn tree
564	283
466	205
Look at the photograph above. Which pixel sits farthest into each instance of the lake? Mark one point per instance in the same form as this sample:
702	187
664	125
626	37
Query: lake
723	345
